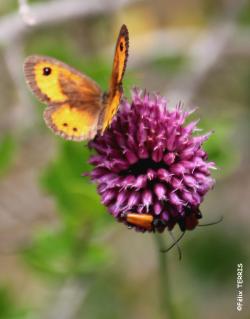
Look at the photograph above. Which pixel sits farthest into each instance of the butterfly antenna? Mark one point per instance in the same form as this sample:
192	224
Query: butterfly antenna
213	223
174	243
177	246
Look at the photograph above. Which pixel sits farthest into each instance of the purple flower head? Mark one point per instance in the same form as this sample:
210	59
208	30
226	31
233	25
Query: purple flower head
150	162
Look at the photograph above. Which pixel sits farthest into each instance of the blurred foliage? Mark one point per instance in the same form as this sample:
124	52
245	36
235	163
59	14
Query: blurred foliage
7	6
70	250
37	1
244	17
7	152
62	254
168	64
8	307
114	295
75	195
219	145
213	257
232	74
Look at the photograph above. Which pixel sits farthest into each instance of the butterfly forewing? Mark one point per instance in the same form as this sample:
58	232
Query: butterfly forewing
119	66
74	100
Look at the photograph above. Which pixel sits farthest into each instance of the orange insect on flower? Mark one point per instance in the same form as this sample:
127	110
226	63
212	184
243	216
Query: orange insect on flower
144	221
148	222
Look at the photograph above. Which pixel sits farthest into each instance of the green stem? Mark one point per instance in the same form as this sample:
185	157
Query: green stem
164	284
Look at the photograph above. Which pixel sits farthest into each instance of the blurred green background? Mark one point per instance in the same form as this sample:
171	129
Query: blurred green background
61	254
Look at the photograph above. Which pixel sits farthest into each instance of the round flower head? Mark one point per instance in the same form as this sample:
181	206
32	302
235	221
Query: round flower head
150	162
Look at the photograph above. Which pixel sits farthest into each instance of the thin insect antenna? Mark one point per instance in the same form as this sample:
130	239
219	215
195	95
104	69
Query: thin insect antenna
175	243
213	223
177	246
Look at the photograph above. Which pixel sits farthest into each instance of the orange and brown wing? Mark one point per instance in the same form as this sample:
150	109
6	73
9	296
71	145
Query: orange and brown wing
74	100
72	123
115	89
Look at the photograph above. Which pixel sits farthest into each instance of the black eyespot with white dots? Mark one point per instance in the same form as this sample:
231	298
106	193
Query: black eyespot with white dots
75	129
47	71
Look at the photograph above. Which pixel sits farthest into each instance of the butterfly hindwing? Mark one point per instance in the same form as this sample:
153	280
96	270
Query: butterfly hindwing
74	100
71	123
115	89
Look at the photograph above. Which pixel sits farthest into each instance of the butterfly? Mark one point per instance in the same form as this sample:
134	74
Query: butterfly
76	106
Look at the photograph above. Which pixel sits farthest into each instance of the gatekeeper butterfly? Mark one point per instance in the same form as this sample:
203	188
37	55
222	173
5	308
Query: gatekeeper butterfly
76	106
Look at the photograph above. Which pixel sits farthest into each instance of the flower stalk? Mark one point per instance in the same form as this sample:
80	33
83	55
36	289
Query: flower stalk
165	292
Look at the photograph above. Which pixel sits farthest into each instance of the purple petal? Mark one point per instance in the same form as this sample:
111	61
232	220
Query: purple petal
165	216
187	153
157	154
190	181
133	200
140	182
177	183
160	191
121	198
198	140
158	208
143	152
169	158
108	197
187	196
175	199
147	199
128	181
131	157
177	169
164	175
151	174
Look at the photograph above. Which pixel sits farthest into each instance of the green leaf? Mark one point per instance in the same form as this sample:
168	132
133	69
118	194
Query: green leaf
7	152
64	253
171	63
244	17
115	296
7	7
94	258
219	145
75	195
213	255
49	253
8	307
